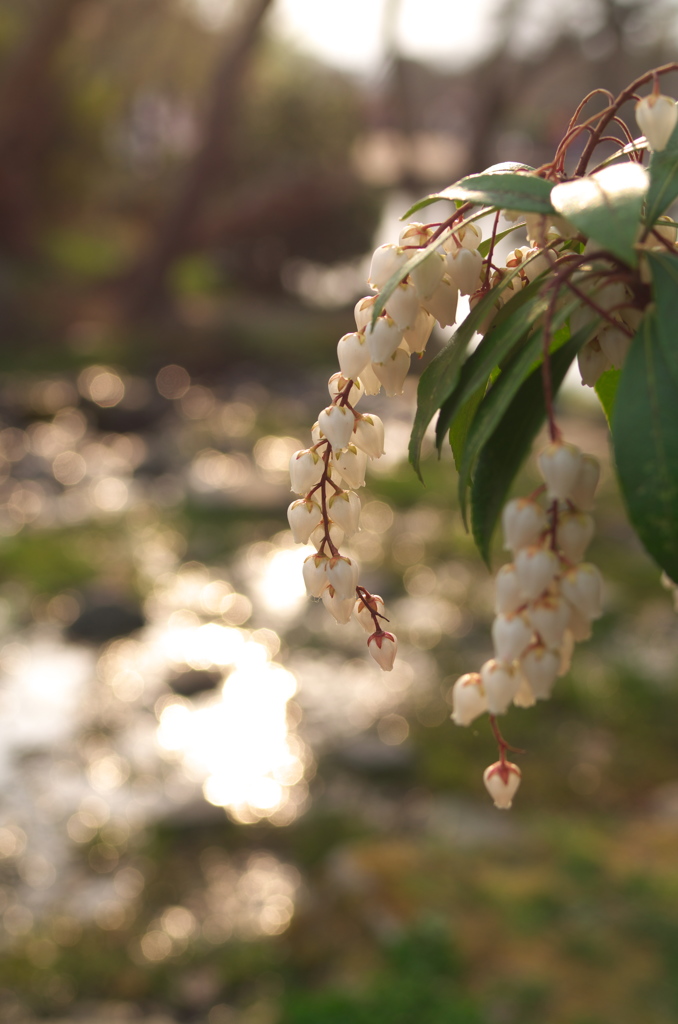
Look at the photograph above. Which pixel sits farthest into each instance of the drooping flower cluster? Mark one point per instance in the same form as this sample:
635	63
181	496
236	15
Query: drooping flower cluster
545	600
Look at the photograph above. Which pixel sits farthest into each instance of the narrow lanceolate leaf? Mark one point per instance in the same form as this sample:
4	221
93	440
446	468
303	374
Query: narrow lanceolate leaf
507	167
645	433
440	377
606	206
462	421
664	270
491	412
606	389
524	309
504	451
506	190
663	179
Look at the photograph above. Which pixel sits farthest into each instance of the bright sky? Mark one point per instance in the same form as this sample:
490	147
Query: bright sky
350	34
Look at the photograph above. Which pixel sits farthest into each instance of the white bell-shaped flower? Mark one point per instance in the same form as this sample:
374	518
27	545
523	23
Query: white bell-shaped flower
615	344
574	533
500	683
303	515
369	381
344	510
468	699
363	311
536	568
415	234
523	522
656	116
464	268
442	304
427	276
592	362
306	469
321	532
369	435
403	306
583	492
386	260
351	465
383	338
342	610
417	337
550	617
524	698
393	372
314	572
540	667
342	574
353	354
383	647
364	615
510	635
336	423
501	781
560	464
316	433
470	237
337	383
534	264
582	586
508	597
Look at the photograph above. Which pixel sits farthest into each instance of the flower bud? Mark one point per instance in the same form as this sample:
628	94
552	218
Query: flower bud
524	697
428	275
353	354
416	339
523	522
336	423
344	510
303	516
533	267
560	464
315	574
540	667
656	116
550	617
468	699
383	647
338	382
386	260
510	635
500	683
340	609
464	268
469	237
536	568
362	612
614	344
592	362
574	533
370	382
383	339
342	574
501	781
320	533
582	587
306	469
442	304
350	465
508	597
403	306
393	371
415	234
363	311
369	435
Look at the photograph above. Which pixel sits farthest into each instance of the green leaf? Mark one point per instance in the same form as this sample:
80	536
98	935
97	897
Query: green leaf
505	449
503	168
606	389
462	422
484	246
508	191
645	434
606	207
664	270
440	377
524	310
663	179
637	146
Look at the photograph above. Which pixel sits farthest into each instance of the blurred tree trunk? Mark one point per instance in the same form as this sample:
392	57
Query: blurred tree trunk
28	109
146	289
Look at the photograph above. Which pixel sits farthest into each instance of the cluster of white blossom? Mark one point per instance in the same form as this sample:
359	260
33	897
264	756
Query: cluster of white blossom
545	600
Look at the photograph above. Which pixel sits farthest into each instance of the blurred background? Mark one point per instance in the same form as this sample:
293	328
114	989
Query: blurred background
214	808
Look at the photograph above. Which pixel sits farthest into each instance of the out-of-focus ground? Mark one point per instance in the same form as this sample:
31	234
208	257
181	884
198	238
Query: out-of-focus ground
214	808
